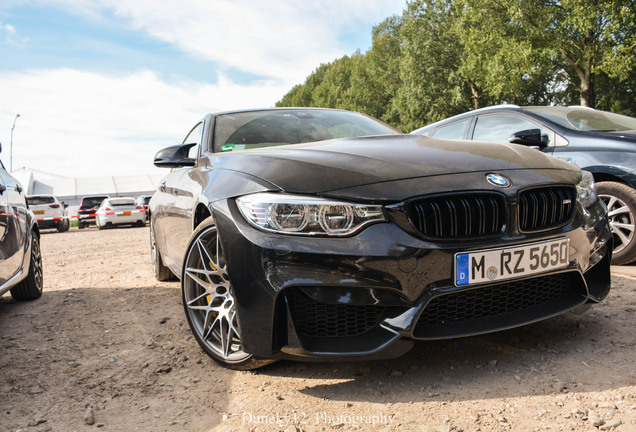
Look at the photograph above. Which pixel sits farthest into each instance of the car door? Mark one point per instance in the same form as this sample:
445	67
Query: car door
13	220
175	199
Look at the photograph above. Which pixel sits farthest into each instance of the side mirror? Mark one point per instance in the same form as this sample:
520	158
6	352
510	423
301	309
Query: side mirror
175	156
530	137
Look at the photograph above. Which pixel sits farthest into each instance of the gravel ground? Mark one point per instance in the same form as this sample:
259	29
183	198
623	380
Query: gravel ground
107	348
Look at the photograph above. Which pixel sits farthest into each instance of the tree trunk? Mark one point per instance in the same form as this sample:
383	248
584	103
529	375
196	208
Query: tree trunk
476	95
586	79
586	88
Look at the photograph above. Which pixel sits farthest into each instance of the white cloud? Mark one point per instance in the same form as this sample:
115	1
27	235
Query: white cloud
85	124
278	39
9	35
81	123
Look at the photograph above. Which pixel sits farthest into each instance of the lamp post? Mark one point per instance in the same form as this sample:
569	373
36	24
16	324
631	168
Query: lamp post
11	151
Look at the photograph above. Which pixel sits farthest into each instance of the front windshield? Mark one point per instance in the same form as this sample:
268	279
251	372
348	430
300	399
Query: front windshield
585	119
247	130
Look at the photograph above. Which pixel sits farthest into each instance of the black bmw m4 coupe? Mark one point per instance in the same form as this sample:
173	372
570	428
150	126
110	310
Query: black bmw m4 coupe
323	234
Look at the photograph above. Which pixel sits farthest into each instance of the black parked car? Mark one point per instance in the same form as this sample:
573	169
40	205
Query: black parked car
314	233
600	142
87	210
20	258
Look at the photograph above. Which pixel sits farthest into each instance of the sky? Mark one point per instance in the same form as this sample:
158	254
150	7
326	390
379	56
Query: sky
101	85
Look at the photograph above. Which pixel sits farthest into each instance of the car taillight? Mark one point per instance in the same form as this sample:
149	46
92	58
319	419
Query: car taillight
107	208
54	205
139	207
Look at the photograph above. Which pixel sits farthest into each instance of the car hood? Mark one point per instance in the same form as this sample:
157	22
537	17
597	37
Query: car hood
344	163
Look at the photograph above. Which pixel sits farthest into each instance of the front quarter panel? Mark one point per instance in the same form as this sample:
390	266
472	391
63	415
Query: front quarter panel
602	157
223	184
175	201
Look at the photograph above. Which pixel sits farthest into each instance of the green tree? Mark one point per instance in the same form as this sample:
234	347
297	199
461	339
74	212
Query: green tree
301	95
572	40
444	57
432	85
334	90
376	80
617	96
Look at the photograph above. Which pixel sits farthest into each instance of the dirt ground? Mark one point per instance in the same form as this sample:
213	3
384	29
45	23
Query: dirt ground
107	348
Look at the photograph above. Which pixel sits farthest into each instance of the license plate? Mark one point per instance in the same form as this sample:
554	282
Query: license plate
506	263
126	213
38	212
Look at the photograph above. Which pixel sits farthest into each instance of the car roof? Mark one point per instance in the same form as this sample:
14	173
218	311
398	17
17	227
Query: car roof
504	107
278	109
468	114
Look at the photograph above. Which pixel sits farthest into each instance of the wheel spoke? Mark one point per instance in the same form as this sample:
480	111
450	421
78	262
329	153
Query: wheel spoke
624	239
213	325
618	211
623	226
610	201
206	257
205	285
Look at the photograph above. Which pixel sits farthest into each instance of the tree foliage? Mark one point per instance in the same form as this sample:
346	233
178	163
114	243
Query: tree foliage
444	57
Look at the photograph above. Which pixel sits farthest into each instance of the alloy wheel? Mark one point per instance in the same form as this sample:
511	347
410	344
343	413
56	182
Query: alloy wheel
621	220
153	248
208	298
36	256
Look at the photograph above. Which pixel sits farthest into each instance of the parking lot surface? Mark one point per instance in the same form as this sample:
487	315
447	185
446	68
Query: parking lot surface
107	348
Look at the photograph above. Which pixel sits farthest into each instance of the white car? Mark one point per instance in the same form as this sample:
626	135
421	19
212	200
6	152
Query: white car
49	212
143	201
120	211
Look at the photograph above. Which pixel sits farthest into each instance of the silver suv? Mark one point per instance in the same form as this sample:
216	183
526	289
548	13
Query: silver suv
49	212
20	257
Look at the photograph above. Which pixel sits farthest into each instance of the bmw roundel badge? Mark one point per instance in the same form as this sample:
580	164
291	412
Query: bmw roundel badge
498	180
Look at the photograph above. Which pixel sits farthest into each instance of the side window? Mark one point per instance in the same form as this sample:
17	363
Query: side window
194	136
498	128
452	131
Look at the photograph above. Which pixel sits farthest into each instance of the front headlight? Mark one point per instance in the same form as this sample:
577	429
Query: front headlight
586	190
301	215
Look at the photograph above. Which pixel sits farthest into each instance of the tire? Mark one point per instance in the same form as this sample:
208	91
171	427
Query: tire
80	225
98	225
162	273
66	224
621	210
31	287
208	301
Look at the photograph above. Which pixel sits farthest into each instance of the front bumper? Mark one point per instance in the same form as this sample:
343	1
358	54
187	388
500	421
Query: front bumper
373	293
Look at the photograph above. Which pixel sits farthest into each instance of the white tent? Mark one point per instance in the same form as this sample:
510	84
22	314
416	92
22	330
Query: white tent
72	189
